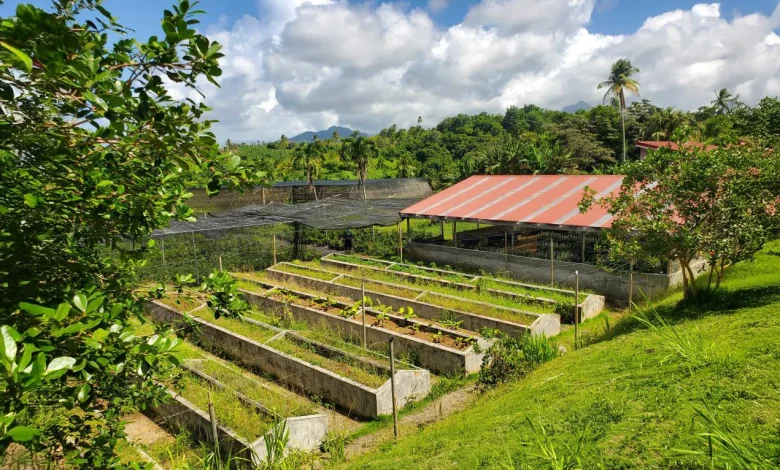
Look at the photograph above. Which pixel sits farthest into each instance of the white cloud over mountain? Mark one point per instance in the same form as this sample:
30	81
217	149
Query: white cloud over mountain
310	64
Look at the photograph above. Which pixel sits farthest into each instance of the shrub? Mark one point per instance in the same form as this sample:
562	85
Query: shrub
512	358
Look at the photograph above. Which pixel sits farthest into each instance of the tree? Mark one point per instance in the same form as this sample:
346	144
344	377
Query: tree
94	156
358	150
681	205
621	80
284	142
406	166
724	101
308	157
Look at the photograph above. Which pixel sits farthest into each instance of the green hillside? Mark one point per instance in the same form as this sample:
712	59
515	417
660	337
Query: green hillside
630	399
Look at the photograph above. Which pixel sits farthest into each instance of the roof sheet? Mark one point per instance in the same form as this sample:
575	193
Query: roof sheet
550	200
654	145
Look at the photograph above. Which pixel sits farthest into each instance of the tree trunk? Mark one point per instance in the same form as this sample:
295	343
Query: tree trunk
686	291
713	267
623	121
691	277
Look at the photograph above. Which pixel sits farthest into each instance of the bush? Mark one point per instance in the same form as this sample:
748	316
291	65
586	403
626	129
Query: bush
512	358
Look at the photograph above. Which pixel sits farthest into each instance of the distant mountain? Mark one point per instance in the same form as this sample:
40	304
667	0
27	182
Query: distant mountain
326	134
576	107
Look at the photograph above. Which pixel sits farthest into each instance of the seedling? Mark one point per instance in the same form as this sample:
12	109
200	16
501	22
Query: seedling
381	318
415	328
407	312
437	337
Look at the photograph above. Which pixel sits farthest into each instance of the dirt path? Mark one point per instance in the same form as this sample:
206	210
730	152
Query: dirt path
437	410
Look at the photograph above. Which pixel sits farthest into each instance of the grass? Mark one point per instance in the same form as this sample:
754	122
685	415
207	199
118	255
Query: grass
359	260
633	398
245	420
345	367
304	271
499	284
448	276
243	328
283	404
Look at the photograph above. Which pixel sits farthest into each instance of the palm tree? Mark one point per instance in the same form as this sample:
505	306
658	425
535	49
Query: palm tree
406	166
284	142
358	150
724	101
620	80
663	122
308	157
336	136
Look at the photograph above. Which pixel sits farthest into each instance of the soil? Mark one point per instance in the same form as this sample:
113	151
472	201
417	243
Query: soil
142	430
437	410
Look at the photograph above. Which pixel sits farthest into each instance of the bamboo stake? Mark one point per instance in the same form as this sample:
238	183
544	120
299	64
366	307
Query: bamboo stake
392	390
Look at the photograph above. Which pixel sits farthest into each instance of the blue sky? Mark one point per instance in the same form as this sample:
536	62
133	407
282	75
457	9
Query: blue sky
609	16
297	65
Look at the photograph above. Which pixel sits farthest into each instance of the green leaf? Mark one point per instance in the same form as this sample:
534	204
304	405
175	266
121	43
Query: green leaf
36	309
150	243
95	304
22	433
83	394
62	311
80	301
24	58
9	345
30	200
58	366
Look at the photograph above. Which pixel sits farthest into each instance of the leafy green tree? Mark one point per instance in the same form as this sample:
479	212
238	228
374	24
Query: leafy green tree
308	157
94	155
406	166
682	205
619	82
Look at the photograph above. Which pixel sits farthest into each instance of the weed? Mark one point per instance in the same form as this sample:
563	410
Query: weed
512	358
689	348
555	457
334	446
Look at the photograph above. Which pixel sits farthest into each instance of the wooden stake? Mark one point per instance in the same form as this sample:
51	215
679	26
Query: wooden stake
400	243
583	247
506	246
213	419
392	390
274	248
454	234
220	263
363	304
576	308
631	286
552	263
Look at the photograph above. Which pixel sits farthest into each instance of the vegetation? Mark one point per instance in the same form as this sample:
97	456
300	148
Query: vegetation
87	174
628	400
619	82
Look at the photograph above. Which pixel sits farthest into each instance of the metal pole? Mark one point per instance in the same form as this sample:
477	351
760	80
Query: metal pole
400	243
363	305
454	234
506	245
274	248
576	309
513	239
631	286
213	419
220	263
392	390
583	247
195	255
552	263
408	226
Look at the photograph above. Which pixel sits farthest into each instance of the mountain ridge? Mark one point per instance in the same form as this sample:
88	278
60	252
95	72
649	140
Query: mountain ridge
324	134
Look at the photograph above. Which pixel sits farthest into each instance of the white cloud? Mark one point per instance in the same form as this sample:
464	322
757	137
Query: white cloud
437	5
315	63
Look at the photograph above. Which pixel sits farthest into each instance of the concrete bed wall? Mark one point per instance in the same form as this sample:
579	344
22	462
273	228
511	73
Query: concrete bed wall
434	357
471	321
612	285
351	396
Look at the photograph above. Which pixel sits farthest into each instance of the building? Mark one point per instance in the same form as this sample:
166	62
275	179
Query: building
645	145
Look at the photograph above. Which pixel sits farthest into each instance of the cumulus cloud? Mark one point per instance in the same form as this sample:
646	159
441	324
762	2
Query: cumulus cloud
310	64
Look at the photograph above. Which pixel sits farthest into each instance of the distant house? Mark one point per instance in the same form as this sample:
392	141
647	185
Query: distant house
645	145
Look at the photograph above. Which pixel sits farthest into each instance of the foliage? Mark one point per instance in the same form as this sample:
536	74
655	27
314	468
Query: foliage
512	358
678	205
94	155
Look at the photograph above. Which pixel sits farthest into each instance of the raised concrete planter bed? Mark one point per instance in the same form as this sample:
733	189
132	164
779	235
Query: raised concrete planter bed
548	325
589	307
352	396
438	358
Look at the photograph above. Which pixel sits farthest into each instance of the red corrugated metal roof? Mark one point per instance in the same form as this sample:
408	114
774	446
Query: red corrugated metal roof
528	199
655	145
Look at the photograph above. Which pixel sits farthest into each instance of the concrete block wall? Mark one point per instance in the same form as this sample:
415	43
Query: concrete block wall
434	357
471	321
351	396
613	286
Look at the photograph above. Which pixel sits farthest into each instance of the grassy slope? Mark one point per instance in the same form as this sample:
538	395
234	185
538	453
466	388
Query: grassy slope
635	410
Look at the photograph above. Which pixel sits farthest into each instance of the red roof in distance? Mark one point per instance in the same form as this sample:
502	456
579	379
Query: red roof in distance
549	200
655	145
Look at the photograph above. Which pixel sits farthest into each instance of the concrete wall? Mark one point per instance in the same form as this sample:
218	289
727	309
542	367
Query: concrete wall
351	396
613	286
471	321
179	413
434	357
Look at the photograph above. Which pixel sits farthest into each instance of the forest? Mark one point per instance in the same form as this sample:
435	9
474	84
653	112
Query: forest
523	140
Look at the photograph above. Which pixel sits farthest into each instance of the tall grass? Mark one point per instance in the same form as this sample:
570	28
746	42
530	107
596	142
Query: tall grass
688	348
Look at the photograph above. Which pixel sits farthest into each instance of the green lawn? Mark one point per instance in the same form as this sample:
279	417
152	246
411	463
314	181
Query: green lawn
628	396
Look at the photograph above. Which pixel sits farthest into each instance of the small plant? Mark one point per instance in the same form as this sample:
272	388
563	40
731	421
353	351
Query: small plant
350	311
512	358
437	337
450	320
463	342
276	441
415	328
407	313
334	446
223	296
381	318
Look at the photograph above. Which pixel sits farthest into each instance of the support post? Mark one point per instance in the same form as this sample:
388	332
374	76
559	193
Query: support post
195	257
363	306
513	240
552	263
392	390
631	285
400	243
274	248
454	234
576	309
213	419
165	268
506	246
583	248
408	225
441	226
220	263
